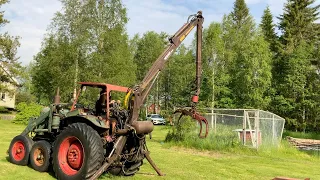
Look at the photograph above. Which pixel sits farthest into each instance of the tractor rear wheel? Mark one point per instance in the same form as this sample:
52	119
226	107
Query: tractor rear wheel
77	152
40	156
19	150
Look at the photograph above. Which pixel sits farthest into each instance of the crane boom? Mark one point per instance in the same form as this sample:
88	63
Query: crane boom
141	91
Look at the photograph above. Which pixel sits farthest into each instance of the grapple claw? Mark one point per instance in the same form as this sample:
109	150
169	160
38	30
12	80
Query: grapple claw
196	116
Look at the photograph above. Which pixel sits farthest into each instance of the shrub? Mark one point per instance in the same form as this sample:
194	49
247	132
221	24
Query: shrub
186	131
26	111
4	110
181	129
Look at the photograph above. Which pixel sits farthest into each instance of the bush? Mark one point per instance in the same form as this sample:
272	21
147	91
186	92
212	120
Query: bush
26	111
181	129
25	97
4	110
186	131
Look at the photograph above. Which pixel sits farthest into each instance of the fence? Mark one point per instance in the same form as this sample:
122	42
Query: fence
7	116
251	127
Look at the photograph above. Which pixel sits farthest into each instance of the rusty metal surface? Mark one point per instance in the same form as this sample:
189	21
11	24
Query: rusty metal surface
57	97
109	87
196	116
143	127
287	178
147	155
106	89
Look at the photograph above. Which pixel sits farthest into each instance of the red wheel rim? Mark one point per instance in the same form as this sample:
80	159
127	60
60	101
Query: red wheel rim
18	151
38	157
70	155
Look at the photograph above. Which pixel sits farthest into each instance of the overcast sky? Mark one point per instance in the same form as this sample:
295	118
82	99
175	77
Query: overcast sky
29	19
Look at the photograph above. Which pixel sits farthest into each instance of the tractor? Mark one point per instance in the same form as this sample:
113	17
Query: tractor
81	142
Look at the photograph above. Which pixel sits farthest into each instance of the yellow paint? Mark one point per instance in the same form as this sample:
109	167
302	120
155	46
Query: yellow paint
126	100
184	36
189	30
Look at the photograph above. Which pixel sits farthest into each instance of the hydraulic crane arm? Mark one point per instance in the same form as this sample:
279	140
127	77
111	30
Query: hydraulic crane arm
136	96
175	41
141	91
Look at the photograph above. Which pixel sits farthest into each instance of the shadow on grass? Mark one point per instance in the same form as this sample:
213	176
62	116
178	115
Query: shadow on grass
50	170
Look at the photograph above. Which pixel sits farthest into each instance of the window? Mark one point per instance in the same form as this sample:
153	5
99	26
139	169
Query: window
156	116
3	95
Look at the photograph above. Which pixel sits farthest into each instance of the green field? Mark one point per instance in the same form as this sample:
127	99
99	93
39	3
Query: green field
182	163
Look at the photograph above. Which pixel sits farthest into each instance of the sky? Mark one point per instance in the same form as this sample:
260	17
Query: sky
29	19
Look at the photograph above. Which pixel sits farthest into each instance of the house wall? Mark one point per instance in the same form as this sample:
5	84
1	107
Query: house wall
8	100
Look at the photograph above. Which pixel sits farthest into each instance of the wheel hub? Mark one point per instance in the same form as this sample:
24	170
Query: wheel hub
38	157
71	155
18	150
75	155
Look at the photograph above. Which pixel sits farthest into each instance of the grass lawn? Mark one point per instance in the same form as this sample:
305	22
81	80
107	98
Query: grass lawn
181	163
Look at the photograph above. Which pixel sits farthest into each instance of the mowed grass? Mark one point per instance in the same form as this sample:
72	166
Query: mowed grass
183	163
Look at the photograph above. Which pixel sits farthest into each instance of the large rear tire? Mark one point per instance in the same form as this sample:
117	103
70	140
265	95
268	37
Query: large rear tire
77	152
19	150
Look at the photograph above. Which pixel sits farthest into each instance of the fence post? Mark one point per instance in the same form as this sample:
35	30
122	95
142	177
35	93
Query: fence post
174	117
212	118
273	133
257	118
215	123
244	128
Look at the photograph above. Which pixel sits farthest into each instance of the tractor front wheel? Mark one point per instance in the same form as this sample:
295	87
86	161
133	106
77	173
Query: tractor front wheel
77	152
19	150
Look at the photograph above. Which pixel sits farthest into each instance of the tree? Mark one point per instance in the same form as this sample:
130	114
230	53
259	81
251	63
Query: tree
268	29
296	95
215	68
249	57
87	41
9	65
25	91
182	73
297	23
149	48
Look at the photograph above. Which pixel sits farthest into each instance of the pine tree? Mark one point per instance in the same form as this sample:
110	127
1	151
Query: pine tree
240	13
268	29
296	23
294	75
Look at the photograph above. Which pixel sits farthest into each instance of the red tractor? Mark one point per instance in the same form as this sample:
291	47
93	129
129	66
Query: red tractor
84	142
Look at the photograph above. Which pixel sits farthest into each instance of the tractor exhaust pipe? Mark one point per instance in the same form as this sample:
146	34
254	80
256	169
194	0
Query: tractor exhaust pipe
57	97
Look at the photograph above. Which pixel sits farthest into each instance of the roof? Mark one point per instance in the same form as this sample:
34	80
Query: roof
109	87
13	79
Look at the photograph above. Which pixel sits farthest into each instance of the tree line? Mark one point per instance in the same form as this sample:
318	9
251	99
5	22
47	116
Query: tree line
267	66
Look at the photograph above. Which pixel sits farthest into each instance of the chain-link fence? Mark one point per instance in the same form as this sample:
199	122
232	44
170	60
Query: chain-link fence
250	127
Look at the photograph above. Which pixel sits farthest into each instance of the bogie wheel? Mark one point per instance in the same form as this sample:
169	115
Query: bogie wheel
40	156
77	152
19	150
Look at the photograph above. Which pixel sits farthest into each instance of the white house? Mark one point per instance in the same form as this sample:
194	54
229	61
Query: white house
7	99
